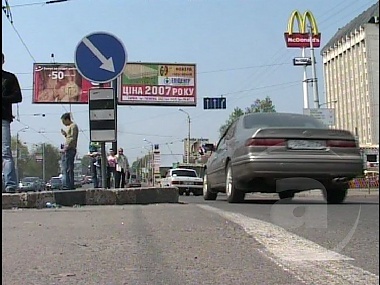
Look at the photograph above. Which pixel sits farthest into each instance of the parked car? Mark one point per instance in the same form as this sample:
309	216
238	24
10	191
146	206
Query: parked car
30	184
186	180
282	153
134	181
55	183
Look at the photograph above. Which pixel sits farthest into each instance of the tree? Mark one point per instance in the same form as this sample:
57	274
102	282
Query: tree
52	158
259	106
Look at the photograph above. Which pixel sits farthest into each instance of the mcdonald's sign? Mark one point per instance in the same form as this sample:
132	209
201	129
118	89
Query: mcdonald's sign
301	38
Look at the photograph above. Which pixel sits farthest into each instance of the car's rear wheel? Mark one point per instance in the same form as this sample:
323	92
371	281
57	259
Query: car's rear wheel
233	194
335	194
286	195
207	194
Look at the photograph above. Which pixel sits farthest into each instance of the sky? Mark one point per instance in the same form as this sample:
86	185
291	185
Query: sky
238	47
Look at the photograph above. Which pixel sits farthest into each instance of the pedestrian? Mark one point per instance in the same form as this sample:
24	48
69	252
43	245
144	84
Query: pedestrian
11	95
69	151
94	155
122	169
111	168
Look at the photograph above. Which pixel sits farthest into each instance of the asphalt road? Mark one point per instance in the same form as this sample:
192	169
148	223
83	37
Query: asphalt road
260	241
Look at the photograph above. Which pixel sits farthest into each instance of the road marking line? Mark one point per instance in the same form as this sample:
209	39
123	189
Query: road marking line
308	261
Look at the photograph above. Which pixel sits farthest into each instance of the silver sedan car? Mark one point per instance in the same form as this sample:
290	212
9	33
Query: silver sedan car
282	153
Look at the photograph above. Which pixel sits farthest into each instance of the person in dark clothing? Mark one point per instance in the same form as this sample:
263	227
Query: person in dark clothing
11	94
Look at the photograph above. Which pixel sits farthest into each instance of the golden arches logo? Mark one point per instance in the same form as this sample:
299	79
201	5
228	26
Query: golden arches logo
301	38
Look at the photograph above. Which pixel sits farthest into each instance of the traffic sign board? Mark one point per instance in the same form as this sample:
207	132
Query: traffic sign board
102	117
214	103
100	57
326	115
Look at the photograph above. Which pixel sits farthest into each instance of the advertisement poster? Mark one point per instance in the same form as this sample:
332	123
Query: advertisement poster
158	84
60	83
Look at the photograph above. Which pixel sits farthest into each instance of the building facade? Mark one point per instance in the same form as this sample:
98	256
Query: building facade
351	76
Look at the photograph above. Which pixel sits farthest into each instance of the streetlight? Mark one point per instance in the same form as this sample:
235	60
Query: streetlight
329	102
17	142
188	135
43	161
152	160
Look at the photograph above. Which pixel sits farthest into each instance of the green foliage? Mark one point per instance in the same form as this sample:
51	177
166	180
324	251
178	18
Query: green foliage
259	106
28	164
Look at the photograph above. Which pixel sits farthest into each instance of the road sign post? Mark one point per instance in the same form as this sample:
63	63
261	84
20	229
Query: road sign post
214	103
101	57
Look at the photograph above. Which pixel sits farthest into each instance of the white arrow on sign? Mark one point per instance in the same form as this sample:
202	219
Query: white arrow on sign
107	64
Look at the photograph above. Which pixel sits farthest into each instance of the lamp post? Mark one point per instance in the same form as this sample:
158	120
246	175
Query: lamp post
151	159
16	160
188	134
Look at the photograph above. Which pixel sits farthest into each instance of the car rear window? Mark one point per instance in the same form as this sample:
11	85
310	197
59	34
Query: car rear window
257	121
186	173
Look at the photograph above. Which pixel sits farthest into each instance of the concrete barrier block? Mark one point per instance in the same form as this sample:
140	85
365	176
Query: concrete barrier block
100	197
70	197
10	201
125	196
37	199
156	195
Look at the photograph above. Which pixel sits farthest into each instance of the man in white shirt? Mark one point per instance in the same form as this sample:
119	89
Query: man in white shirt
122	169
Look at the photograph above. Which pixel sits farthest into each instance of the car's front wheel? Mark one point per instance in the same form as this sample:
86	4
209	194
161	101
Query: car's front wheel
233	194
207	194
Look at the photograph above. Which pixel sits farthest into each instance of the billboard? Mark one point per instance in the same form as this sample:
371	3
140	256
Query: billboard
301	39
164	84
60	83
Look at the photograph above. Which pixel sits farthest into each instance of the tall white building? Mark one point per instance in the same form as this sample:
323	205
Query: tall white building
351	76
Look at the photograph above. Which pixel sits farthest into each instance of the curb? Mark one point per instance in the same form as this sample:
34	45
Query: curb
147	195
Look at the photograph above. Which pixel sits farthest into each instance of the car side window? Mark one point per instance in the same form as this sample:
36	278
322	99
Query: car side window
231	131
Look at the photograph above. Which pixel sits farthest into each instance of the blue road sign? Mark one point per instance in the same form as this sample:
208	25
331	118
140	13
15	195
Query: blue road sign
214	103
100	57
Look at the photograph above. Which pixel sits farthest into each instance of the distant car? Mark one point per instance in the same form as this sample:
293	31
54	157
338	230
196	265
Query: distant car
186	180
28	184
134	181
260	152
55	183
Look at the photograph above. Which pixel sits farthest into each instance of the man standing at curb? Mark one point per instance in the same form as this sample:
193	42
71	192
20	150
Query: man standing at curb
69	151
11	95
122	169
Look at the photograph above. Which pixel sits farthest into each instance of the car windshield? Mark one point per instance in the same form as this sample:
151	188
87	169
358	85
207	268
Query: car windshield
257	121
187	173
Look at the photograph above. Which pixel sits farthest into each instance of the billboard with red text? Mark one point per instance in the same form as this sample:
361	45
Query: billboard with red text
60	83
164	84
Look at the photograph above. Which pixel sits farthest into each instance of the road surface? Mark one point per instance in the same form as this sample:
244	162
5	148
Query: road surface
195	242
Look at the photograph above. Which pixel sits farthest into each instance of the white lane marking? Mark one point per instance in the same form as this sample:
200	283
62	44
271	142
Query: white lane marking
308	261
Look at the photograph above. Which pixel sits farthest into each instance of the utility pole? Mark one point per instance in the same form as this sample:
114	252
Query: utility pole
314	71
188	135
43	163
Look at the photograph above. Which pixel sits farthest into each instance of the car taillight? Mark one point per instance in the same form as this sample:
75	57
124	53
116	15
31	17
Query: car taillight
265	142
341	143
